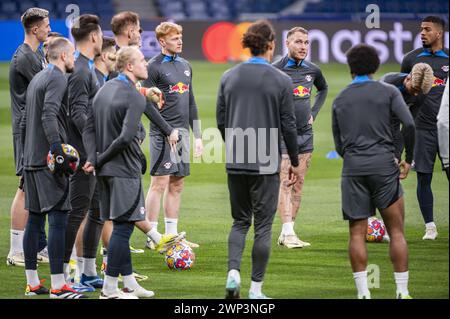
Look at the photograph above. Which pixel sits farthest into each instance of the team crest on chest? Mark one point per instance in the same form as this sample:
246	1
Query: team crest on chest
445	68
308	78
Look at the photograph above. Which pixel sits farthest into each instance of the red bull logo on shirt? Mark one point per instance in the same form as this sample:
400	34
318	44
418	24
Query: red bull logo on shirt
438	82
301	91
180	88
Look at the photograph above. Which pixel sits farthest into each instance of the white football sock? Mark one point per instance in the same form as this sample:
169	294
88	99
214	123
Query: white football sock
130	282
256	287
67	272
58	281
110	285
154	235
89	268
80	267
32	278
401	280
171	225
233	273
73	256
429	225
154	225
16	241
288	229
361	283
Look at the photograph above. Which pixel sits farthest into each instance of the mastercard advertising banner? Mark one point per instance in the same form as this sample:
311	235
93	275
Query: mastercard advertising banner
221	41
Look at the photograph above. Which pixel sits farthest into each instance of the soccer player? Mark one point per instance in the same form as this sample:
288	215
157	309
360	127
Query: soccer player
255	96
304	75
113	148
50	36
43	128
82	87
25	64
426	148
362	116
105	62
413	86
442	125
169	166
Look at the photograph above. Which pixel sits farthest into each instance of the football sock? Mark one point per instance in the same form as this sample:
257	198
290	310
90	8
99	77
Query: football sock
110	285
16	241
89	267
255	287
130	282
58	281
154	225
67	271
361	283
288	229
171	225
401	280
80	267
32	278
425	195
154	235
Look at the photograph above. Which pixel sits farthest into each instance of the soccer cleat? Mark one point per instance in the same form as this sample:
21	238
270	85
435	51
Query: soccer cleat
118	294
291	241
430	233
66	293
79	287
93	281
364	297
150	244
37	290
190	244
232	289
251	295
136	251
17	259
169	240
139	292
42	256
402	296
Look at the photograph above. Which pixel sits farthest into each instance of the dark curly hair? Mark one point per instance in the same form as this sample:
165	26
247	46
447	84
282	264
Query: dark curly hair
258	37
363	59
86	24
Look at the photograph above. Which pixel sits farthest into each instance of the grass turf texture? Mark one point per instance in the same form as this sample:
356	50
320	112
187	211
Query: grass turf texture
320	271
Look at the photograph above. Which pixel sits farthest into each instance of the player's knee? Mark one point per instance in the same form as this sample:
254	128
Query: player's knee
176	187
158	187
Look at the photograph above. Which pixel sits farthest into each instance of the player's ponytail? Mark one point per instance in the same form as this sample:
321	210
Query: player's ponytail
258	37
422	77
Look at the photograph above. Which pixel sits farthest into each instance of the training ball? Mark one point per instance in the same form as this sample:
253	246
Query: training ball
68	150
376	230
180	257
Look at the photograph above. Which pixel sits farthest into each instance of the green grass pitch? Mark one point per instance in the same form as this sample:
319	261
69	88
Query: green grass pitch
320	271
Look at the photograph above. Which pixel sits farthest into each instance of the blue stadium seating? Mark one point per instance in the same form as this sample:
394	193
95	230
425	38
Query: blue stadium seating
13	9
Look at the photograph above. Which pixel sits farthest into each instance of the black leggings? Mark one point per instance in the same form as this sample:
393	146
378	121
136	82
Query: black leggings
425	195
57	221
119	256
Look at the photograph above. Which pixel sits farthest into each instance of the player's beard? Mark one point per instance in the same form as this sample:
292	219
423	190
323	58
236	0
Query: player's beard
69	68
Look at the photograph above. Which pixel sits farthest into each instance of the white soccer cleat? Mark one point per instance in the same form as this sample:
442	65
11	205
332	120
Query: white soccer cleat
291	241
42	256
251	295
139	292
118	294
17	259
430	233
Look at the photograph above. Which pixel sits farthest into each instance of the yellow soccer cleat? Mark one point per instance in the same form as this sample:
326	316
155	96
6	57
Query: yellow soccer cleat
169	240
